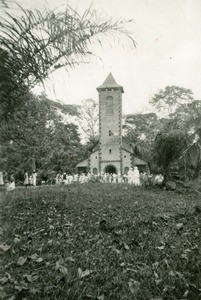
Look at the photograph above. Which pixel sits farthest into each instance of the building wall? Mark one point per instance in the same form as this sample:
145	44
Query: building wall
94	161
126	160
110	124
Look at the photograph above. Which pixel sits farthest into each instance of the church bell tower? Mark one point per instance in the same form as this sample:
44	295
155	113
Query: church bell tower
110	126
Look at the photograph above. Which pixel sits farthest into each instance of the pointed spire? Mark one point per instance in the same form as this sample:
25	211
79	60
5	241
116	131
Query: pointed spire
109	80
110	83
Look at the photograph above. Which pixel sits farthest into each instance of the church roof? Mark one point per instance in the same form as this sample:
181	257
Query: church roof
110	83
125	146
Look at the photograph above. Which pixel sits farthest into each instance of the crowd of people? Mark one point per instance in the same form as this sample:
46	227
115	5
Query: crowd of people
30	179
8	180
133	176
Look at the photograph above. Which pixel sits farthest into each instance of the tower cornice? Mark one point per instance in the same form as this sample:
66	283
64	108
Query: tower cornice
110	83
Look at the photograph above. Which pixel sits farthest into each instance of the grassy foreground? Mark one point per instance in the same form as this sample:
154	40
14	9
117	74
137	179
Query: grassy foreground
100	241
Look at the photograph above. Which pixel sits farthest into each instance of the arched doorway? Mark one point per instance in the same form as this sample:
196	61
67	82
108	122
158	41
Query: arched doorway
110	169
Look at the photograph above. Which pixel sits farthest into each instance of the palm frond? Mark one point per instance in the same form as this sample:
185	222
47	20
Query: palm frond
38	43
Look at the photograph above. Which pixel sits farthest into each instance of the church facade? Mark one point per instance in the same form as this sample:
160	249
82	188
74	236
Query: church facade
113	154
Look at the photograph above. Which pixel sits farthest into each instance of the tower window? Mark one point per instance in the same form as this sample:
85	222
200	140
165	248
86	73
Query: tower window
124	156
110	151
109	106
96	157
110	132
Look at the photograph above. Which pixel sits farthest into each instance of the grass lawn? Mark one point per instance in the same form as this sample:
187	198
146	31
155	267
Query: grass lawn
100	241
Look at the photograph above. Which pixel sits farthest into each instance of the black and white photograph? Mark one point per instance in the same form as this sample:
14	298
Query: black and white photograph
100	150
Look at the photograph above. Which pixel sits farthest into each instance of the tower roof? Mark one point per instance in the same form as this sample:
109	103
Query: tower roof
110	83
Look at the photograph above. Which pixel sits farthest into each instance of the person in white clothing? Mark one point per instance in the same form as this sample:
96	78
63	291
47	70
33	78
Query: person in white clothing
119	177
60	178
26	179
11	183
136	176
30	180
65	179
34	175
1	178
130	176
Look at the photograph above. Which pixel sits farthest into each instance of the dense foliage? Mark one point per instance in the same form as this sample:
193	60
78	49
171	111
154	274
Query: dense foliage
170	141
140	131
36	137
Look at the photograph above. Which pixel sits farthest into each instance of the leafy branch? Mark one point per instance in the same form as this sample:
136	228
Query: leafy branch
38	43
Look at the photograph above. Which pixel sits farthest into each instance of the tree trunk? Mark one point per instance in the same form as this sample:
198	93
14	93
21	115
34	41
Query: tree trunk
166	173
33	164
198	165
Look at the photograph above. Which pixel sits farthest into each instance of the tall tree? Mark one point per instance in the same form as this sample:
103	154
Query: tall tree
34	133
140	131
169	145
88	118
170	99
189	118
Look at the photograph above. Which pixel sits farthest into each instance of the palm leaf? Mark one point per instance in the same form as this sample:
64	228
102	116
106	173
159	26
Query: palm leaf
39	43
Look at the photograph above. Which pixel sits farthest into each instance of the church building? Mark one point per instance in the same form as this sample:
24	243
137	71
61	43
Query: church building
113	154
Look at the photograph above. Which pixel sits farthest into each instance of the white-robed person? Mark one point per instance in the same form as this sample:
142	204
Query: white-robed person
12	182
1	178
136	176
105	177
76	177
65	179
26	179
34	176
159	179
130	176
60	178
31	180
114	178
119	179
81	179
110	178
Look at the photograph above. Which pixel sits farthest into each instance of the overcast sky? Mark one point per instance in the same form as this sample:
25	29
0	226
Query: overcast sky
168	36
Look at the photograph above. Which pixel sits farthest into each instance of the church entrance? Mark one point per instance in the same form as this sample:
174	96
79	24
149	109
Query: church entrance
110	169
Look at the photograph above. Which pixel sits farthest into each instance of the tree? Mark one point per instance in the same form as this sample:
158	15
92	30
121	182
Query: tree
88	118
27	132
140	131
169	145
170	99
65	148
189	117
34	134
13	92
